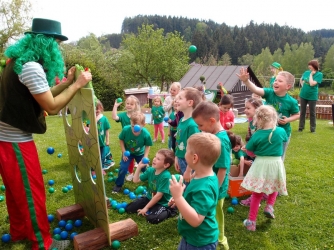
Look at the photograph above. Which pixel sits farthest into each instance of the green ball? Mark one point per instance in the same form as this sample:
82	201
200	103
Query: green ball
119	100
110	179
230	210
116	170
3	188
177	177
235	162
64	190
110	174
70	221
139	190
115	244
44	171
121	210
192	49
51	190
114	205
2	198
227	196
57	237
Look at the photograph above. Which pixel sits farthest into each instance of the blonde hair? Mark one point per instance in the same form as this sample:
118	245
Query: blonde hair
157	98
135	100
138	118
266	116
99	105
176	84
199	144
193	94
289	78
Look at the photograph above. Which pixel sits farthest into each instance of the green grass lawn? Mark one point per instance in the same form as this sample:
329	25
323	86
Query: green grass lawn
304	219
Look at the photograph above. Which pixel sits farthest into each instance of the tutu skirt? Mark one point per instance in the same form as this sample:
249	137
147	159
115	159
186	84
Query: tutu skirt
266	175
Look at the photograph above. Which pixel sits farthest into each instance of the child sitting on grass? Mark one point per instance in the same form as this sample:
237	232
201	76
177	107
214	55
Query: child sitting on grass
137	143
154	206
197	205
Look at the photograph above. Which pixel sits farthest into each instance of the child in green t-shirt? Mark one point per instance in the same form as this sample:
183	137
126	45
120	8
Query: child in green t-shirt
154	206
240	157
186	101
206	115
286	106
134	145
197	205
157	118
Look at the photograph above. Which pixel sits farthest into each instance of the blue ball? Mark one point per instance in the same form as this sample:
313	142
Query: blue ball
50	150
166	118
145	160
69	187
114	202
124	204
118	206
68	227
51	182
78	223
63	235
127	153
126	191
234	201
62	223
59	155
94	176
132	196
5	238
50	218
139	196
136	128
57	230
72	235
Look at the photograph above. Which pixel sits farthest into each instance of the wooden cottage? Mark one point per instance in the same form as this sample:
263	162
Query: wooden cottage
221	74
140	93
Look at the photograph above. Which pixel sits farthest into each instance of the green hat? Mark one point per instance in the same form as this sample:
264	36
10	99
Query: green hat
276	65
47	27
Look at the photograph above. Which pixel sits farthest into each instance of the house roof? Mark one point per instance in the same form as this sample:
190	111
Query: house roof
214	75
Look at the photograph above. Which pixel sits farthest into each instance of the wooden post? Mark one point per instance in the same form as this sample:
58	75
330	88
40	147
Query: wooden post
97	239
71	212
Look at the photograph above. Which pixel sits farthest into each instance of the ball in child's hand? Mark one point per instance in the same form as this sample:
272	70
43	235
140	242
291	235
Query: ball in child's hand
177	177
145	160
119	100
127	153
166	119
136	128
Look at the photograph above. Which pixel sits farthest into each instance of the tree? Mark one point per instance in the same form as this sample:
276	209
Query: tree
246	59
225	60
15	18
329	59
150	57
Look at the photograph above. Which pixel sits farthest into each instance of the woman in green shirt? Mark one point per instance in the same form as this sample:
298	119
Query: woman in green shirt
309	94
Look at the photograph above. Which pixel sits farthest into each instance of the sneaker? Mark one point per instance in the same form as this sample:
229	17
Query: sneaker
59	244
154	140
250	225
107	166
163	141
116	189
129	177
269	212
104	172
247	202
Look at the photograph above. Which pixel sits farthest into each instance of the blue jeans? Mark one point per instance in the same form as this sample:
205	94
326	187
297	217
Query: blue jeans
186	246
123	169
183	164
106	156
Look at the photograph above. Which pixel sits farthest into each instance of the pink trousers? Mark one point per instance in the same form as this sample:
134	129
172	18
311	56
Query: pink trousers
255	202
159	128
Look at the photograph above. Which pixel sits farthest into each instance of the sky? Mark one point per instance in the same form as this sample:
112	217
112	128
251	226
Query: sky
80	18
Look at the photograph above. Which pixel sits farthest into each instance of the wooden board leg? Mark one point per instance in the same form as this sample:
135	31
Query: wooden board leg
97	239
71	212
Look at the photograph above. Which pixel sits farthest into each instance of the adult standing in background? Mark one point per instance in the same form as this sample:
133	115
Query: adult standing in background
25	93
275	67
309	94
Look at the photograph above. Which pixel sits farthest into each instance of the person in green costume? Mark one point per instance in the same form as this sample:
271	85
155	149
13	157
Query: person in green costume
275	68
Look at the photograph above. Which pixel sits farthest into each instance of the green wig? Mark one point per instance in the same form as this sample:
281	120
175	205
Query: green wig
38	48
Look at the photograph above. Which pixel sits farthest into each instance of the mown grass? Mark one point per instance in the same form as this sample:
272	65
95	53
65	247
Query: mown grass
304	219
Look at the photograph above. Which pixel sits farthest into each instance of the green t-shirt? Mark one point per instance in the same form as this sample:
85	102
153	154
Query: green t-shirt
238	154
172	117
157	183
124	119
284	105
272	80
135	143
158	114
309	92
259	142
224	161
184	130
102	125
202	195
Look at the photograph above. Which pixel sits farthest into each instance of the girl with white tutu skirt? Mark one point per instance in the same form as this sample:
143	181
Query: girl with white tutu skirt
267	173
